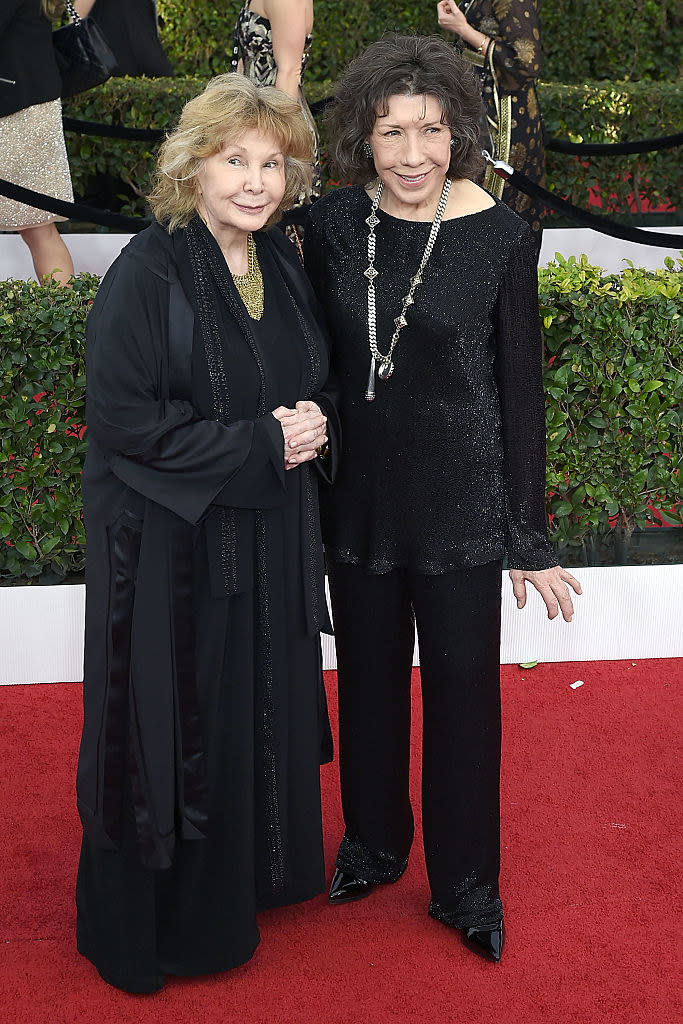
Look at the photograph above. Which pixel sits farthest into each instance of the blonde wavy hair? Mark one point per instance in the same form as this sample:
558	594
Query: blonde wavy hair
229	106
52	9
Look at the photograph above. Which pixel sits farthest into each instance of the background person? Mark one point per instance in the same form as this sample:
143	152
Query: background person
273	39
205	719
132	33
429	285
32	149
503	39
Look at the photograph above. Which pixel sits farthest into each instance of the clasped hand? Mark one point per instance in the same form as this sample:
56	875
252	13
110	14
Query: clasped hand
304	429
551	585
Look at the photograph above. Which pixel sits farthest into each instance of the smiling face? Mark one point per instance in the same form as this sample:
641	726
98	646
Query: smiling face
412	151
242	185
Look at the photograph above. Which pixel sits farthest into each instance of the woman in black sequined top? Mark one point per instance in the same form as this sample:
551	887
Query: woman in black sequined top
441	474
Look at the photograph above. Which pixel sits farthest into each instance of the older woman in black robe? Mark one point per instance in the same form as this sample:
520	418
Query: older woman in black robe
205	717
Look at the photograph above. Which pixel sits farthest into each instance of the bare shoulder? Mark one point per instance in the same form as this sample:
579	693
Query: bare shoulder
466	198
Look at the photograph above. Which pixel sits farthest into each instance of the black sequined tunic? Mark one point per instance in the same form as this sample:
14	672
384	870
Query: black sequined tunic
446	468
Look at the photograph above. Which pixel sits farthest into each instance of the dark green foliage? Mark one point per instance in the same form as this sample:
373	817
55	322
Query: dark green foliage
582	39
591	39
42	410
614	411
614	391
596	113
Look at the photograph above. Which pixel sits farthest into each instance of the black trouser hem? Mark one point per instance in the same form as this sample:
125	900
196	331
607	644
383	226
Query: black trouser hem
379	867
479	909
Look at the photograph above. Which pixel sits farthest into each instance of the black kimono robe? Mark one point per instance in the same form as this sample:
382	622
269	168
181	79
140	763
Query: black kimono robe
204	712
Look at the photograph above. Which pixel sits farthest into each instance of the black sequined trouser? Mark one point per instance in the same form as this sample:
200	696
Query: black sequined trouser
458	624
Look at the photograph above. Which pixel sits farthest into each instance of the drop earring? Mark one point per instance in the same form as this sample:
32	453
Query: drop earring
367	150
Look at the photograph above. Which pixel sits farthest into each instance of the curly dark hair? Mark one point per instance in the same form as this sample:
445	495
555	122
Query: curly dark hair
404	66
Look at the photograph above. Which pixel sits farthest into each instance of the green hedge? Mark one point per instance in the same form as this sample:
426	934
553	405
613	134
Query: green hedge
613	380
42	409
614	391
594	112
582	39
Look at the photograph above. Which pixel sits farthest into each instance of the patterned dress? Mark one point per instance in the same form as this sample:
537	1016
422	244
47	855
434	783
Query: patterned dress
254	45
515	62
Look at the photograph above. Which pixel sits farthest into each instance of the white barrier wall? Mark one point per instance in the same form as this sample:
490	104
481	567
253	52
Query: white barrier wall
629	612
96	252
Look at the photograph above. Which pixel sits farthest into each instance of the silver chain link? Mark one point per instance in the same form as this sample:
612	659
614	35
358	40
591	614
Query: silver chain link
386	366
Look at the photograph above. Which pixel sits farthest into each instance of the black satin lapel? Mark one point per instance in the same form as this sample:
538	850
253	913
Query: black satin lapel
155	850
180	334
124	553
191	768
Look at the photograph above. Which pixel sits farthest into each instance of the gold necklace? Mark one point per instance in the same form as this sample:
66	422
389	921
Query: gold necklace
250	285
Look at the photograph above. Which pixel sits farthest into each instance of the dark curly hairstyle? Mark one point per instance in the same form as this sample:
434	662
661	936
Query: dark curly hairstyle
404	66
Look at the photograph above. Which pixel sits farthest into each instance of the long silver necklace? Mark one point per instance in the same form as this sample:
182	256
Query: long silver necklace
386	366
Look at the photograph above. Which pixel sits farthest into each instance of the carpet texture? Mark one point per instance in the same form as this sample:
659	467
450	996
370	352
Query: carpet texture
591	832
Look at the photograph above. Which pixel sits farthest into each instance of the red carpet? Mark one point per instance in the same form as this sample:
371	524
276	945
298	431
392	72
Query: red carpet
590	837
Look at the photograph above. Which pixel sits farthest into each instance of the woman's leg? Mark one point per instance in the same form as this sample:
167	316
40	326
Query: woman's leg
49	253
374	633
458	625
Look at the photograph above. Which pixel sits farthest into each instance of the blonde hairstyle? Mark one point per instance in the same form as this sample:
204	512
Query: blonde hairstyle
52	9
229	106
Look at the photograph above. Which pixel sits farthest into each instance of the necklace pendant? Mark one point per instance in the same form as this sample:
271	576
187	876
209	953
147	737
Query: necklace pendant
371	273
400	321
386	369
373	220
370	390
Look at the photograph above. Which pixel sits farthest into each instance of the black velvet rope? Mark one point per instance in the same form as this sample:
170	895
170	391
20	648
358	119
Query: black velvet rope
614	148
605	226
119	131
297	215
73	211
113	131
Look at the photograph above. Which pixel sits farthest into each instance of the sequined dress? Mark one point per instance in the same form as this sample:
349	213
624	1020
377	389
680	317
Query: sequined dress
254	42
32	149
446	468
514	26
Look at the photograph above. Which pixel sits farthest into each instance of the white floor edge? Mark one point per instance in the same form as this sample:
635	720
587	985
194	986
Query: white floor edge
95	252
630	612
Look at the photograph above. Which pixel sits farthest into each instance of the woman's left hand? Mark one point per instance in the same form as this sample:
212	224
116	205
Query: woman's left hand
305	430
551	585
450	17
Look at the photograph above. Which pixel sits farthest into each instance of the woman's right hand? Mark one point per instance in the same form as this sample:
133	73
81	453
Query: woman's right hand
450	17
304	429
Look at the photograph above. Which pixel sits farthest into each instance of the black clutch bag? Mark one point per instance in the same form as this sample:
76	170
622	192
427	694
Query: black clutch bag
83	57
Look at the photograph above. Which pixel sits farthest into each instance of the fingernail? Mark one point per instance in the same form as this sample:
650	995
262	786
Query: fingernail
519	604
292	444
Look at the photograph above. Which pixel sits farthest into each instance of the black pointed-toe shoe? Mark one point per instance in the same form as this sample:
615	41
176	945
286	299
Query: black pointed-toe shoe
345	888
487	942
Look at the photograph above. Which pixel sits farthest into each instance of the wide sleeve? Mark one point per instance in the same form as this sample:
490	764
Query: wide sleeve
517	50
158	446
519	377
